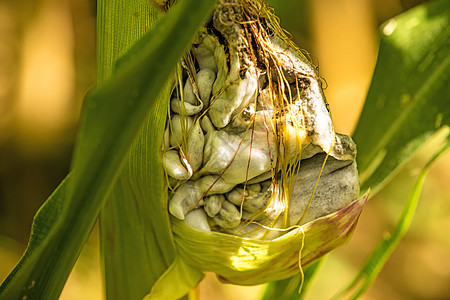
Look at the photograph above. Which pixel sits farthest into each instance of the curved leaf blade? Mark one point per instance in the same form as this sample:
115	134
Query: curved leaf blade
408	98
292	288
136	239
176	282
368	273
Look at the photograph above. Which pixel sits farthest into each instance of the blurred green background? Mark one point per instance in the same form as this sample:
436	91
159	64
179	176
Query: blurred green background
47	64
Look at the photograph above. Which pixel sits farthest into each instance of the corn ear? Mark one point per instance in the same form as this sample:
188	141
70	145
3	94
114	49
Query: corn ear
259	184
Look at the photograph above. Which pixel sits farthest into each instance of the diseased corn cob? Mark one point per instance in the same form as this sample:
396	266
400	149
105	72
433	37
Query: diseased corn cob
250	151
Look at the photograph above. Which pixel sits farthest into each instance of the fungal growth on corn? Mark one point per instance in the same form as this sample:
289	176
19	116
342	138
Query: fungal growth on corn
249	144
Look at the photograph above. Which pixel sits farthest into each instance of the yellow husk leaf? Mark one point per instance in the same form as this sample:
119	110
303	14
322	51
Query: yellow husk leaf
246	261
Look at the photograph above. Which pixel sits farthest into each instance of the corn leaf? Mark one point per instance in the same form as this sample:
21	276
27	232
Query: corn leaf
119	25
136	240
293	288
113	117
407	101
176	282
380	255
133	253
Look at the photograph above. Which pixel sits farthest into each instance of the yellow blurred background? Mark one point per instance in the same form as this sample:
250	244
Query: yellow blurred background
47	64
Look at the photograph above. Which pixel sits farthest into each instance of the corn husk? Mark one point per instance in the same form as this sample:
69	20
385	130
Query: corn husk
246	261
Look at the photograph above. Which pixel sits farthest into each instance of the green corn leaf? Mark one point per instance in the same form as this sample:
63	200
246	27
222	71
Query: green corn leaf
113	117
176	282
132	260
293	288
408	98
407	101
380	255
136	240
119	25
